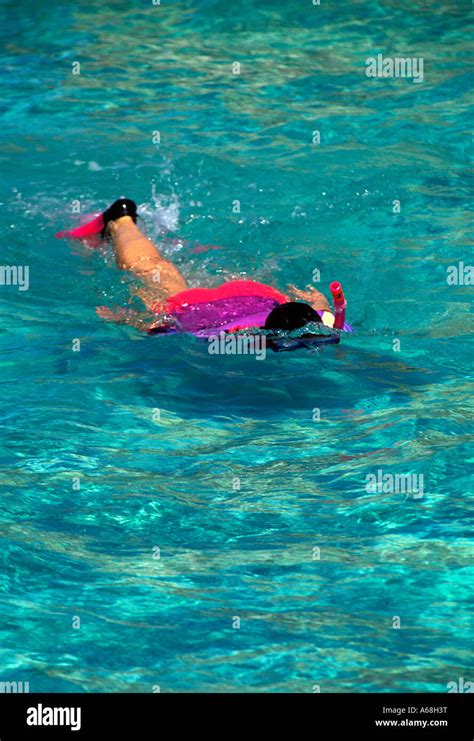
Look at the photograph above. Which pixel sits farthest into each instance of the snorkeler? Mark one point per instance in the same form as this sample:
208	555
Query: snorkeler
173	306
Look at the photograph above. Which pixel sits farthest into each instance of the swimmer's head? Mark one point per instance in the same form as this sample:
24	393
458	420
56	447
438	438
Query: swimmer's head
292	315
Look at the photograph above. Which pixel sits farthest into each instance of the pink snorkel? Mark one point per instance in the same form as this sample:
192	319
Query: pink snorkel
340	304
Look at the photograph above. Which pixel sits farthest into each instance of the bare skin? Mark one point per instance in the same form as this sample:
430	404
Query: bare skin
135	252
161	279
314	298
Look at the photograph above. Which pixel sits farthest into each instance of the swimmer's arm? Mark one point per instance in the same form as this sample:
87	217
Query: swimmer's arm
124	316
313	297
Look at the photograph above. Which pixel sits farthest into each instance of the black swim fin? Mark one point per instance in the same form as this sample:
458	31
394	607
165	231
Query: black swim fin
121	207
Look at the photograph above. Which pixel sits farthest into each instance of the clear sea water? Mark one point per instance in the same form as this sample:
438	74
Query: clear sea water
234	479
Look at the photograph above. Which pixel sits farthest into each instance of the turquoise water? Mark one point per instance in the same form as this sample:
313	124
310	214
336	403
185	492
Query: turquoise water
234	479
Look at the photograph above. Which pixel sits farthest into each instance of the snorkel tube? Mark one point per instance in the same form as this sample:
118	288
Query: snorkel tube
340	304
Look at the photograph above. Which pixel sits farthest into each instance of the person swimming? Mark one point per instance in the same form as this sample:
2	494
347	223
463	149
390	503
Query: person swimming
234	305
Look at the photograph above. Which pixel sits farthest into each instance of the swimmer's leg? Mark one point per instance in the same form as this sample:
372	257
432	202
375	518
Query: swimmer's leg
135	252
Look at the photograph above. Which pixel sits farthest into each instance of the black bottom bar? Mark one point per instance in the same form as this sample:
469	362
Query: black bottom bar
322	716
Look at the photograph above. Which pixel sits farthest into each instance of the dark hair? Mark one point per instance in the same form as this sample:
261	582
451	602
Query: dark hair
291	315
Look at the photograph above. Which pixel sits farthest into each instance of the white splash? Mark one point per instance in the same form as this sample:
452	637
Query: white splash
164	213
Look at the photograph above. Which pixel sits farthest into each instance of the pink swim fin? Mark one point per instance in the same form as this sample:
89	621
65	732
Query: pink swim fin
86	230
121	207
